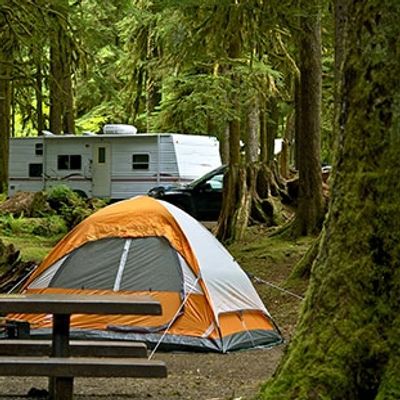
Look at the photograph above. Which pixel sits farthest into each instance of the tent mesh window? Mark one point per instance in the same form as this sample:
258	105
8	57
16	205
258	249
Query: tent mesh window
150	264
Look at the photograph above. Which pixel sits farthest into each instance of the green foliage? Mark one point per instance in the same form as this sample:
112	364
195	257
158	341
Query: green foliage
15	225
32	247
71	206
50	226
68	204
100	85
194	103
46	226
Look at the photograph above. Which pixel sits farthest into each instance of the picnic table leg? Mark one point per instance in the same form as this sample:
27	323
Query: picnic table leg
61	388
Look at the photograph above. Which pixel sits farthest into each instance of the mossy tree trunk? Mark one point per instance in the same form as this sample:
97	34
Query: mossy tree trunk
234	179
68	116
5	104
39	99
346	345
224	145
248	175
55	86
310	209
60	80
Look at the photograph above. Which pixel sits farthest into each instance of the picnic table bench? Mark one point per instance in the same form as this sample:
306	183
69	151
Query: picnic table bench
65	360
77	348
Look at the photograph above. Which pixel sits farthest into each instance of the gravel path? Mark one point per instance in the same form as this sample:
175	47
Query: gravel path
191	376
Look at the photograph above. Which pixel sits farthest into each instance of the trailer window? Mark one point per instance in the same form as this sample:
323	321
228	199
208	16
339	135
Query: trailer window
140	161
67	162
35	170
101	156
39	149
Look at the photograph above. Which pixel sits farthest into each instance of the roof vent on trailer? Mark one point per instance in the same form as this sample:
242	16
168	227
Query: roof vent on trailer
119	129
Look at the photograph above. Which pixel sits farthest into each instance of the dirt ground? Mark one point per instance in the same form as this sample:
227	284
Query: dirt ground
190	376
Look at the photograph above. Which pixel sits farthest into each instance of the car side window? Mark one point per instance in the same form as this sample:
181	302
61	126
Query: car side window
216	182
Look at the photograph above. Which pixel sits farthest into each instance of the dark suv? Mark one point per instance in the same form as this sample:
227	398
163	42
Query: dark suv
201	198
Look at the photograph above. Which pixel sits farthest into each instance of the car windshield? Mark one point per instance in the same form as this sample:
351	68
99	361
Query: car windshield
215	173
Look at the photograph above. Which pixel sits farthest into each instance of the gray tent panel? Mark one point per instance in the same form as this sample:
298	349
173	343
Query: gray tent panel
152	264
92	266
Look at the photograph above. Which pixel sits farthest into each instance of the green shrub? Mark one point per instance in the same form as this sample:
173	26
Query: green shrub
61	195
11	225
44	226
3	197
70	205
50	226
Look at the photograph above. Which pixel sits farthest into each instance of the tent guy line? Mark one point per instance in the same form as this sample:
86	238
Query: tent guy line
174	318
259	280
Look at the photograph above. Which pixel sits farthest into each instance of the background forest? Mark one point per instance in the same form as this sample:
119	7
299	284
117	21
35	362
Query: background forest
323	76
228	69
161	65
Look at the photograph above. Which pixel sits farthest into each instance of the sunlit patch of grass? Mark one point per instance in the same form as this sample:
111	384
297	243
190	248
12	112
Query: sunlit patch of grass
260	251
32	248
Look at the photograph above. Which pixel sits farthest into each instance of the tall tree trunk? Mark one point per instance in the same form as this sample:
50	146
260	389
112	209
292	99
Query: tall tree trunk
248	183
286	157
272	129
68	115
60	80
346	343
55	84
39	99
340	36
297	121
236	175
253	129
263	133
224	145
310	210
5	111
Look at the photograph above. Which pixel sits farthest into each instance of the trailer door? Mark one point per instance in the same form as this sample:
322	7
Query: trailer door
101	170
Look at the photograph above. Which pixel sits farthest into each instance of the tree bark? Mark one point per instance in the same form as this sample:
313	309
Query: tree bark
62	115
5	115
68	115
55	84
272	129
310	210
224	145
5	110
297	120
346	343
230	201
39	99
340	35
232	185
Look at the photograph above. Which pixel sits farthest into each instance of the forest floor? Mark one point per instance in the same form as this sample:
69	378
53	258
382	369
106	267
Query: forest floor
202	376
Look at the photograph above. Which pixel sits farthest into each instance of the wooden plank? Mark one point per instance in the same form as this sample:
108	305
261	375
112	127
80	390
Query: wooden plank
49	303
78	348
82	367
61	388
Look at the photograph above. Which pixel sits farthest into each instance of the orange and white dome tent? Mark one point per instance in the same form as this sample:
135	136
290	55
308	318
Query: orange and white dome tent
144	246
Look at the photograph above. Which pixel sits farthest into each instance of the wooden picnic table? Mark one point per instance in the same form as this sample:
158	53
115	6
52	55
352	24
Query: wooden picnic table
61	306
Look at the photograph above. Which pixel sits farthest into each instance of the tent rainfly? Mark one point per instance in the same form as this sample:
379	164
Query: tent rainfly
144	246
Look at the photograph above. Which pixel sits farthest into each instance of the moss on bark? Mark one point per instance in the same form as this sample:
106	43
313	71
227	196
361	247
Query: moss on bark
346	343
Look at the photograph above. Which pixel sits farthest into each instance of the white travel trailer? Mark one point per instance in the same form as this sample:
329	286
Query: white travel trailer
116	165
